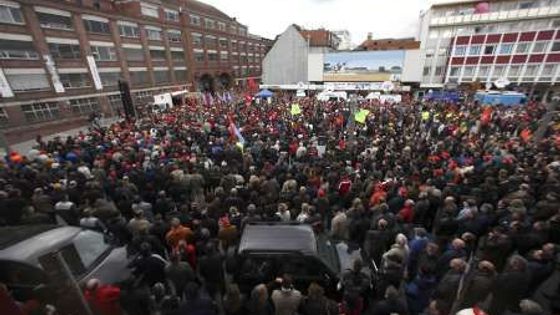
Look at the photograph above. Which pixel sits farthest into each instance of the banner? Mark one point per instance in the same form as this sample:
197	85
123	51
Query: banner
94	73
361	116
5	89
295	110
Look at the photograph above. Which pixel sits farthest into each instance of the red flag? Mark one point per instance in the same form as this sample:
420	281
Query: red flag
252	85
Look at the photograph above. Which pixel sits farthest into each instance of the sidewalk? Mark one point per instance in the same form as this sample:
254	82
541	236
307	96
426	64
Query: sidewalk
24	147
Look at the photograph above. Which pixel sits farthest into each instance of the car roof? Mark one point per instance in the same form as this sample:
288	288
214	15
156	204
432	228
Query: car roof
278	238
33	242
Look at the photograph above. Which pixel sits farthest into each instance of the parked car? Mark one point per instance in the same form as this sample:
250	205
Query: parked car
269	250
88	254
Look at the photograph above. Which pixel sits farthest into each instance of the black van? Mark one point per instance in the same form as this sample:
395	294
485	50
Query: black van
269	250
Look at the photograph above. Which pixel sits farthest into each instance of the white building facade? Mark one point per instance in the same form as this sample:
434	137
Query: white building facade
465	41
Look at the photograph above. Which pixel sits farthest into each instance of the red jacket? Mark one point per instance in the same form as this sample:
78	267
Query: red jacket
407	213
105	300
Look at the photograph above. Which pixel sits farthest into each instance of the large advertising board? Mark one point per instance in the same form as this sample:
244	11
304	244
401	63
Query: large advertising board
363	66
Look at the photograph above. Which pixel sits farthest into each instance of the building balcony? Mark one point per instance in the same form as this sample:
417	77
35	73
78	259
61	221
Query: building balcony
503	16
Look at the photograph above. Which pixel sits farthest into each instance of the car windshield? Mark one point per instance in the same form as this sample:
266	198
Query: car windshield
327	252
90	246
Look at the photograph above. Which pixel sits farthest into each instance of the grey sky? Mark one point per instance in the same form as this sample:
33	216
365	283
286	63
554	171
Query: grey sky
389	18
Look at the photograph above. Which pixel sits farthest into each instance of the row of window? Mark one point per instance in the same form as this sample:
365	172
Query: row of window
210	24
507	48
199	56
506	27
212	41
32	82
498	71
16	49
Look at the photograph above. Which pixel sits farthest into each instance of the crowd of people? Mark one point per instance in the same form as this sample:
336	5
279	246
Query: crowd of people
457	206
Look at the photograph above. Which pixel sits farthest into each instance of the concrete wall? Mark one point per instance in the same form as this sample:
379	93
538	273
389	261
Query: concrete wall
315	67
286	62
412	68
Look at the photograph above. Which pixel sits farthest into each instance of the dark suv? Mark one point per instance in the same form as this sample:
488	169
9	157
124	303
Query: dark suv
268	250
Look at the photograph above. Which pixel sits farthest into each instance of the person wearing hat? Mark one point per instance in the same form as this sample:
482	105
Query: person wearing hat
103	299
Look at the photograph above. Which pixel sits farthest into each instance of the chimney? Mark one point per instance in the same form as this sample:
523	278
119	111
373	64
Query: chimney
369	36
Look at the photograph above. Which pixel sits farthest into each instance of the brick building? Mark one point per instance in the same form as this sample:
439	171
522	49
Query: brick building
61	60
371	44
321	38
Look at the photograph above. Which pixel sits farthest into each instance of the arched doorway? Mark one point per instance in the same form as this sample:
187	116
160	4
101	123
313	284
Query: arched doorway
206	83
225	80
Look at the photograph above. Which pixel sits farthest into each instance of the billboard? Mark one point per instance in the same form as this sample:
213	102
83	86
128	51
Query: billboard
363	66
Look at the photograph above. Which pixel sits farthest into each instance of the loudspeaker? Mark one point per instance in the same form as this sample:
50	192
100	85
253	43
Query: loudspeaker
126	98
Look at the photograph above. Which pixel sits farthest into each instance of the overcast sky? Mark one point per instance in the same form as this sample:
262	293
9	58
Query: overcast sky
384	18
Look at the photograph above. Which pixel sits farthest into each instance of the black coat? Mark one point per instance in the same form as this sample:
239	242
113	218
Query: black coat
509	288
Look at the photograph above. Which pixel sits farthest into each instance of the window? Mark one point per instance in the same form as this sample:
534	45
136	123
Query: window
433	34
197	39
527	5
506	49
233	45
426	71
64	51
199	56
149	10
195	20
242	31
498	71
171	15
221	26
209	24
75	80
178	56
489	49
40	111
54	21
10	14
15	49
555	46
157	54
153	33
531	70
212	56
3	117
548	70
224	56
139	77
134	54
174	36
211	41
84	106
24	82
116	102
460	50
468	71
474	50
454	71
540	47
97	26
483	71
104	53
223	43
161	76
129	30
439	70
110	78
181	75
514	71
522	48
